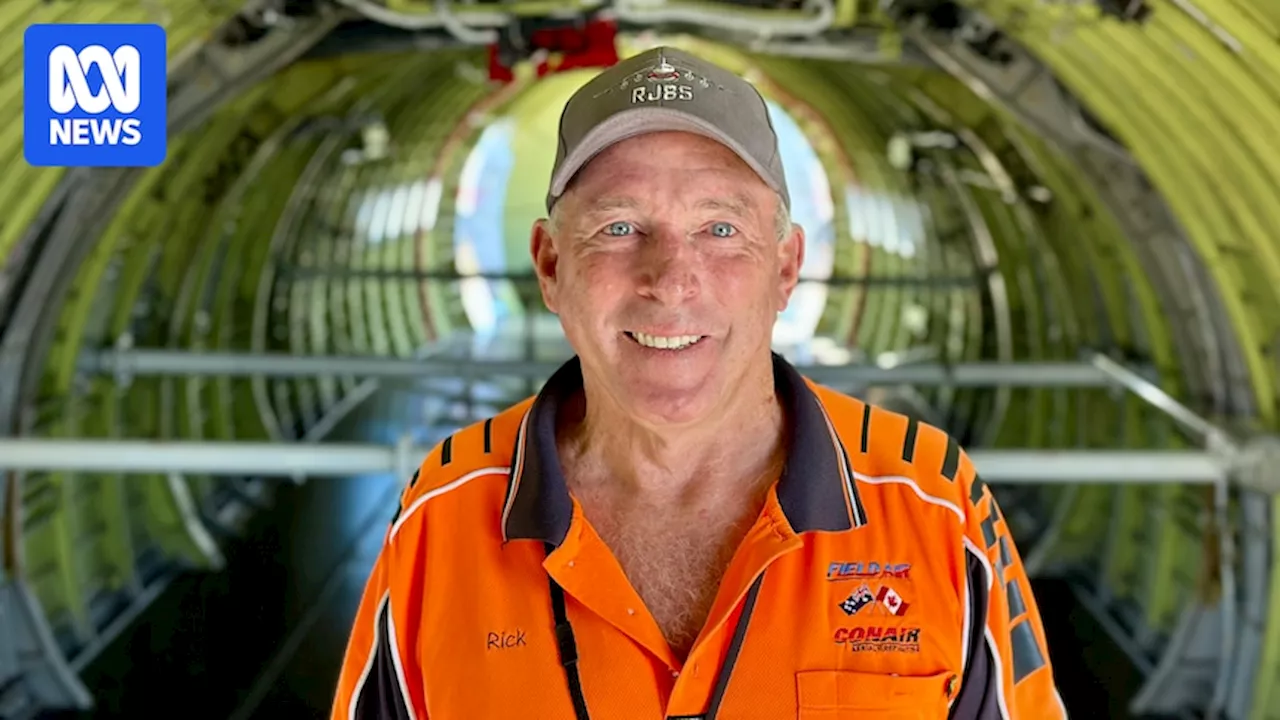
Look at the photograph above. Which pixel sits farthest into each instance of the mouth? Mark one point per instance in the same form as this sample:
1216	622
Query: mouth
664	342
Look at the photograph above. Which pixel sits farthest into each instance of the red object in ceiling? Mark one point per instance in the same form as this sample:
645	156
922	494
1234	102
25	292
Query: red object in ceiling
568	47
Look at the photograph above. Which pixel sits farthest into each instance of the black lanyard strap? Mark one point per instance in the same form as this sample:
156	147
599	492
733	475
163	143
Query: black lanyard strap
568	648
735	646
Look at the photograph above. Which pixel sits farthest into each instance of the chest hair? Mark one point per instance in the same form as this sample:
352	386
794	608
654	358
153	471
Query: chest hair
673	557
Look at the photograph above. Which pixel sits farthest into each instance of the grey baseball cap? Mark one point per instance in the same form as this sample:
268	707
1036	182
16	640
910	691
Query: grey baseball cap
666	89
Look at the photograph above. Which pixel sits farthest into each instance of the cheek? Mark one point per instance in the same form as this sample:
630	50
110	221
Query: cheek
592	291
607	274
749	283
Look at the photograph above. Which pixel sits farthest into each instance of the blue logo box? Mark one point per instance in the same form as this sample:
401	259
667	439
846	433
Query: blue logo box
95	95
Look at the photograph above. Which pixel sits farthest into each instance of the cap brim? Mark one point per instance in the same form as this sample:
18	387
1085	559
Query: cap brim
641	121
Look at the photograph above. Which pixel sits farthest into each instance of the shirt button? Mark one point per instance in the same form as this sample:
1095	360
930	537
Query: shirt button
675	673
570	563
631	611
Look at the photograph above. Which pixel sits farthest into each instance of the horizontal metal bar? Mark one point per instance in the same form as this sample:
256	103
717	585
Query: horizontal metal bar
301	272
1136	467
152	362
196	457
345	460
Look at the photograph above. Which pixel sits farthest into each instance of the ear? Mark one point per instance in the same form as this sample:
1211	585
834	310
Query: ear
546	259
790	260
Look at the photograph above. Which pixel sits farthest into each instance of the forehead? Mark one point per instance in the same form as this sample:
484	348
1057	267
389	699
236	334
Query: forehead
692	167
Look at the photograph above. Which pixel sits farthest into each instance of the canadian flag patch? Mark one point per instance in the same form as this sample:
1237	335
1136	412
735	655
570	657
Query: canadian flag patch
892	601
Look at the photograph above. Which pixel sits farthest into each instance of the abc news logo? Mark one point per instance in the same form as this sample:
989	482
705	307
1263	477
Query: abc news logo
69	90
95	95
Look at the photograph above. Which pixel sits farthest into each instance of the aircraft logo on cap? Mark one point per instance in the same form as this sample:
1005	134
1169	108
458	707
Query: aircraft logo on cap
658	83
663	85
664	71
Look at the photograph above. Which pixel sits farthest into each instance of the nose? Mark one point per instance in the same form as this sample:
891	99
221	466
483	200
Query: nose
669	268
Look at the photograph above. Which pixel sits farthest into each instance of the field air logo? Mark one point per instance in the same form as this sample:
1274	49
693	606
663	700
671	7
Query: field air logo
95	95
837	571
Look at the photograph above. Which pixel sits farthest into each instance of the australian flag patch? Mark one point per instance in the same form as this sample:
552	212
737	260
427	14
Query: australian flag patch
857	600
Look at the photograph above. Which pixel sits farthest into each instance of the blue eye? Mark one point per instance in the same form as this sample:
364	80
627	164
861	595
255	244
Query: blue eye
619	228
723	229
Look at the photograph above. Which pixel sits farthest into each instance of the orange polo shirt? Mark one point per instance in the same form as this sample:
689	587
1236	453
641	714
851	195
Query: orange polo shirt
879	581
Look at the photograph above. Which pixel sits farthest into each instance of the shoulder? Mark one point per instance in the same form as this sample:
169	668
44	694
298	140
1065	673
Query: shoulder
482	445
467	470
893	453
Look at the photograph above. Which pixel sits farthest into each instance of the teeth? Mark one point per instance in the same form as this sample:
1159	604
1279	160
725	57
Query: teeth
677	342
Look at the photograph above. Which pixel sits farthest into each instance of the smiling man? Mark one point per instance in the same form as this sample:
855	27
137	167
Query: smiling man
679	525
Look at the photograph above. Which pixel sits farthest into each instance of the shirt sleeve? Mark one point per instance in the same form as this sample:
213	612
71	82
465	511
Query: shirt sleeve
1007	673
372	682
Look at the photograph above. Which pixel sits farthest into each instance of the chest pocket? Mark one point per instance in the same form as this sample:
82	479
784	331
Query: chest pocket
848	695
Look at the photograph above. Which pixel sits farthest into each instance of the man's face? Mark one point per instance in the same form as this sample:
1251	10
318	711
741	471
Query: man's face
667	273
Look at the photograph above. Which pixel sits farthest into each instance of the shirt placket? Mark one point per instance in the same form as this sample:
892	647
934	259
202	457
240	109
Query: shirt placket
713	657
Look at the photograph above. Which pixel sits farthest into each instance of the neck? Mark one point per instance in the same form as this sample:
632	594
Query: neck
741	442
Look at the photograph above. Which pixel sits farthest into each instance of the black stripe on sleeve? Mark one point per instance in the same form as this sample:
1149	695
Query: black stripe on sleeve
488	436
446	451
951	463
379	698
414	480
909	442
866	426
1027	657
1017	604
1004	559
976	490
989	529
